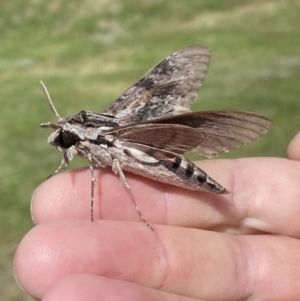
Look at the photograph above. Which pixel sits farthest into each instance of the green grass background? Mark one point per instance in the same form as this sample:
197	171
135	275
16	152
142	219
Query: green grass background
88	52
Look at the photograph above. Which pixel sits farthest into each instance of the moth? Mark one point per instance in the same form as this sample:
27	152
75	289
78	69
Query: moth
148	129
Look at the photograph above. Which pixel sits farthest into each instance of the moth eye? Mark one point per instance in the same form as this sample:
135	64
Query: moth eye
66	139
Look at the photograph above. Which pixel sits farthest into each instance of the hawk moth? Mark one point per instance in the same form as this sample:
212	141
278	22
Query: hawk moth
148	129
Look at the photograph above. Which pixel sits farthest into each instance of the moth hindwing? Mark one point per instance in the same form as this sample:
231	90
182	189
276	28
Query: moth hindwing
148	129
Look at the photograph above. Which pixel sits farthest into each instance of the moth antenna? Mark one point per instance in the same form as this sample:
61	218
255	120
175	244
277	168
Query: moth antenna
50	102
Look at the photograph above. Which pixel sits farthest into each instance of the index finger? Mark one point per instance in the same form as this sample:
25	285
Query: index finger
264	197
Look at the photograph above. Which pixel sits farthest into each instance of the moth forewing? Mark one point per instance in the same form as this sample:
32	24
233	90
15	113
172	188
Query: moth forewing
148	129
167	89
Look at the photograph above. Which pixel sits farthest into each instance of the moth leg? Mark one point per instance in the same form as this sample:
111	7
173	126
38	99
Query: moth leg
92	191
118	170
93	182
62	166
68	156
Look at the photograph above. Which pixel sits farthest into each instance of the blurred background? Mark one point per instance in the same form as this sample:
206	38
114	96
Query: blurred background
88	52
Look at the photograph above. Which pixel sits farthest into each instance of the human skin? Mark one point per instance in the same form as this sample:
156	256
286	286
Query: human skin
240	246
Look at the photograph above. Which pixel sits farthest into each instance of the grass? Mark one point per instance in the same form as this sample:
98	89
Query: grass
88	52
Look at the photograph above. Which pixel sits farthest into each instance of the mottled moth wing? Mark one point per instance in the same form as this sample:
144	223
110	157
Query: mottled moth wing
167	89
206	133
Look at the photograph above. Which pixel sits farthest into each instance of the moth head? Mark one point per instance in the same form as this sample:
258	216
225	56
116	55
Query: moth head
60	138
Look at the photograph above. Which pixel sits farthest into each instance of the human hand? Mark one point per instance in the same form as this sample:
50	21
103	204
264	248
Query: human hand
191	255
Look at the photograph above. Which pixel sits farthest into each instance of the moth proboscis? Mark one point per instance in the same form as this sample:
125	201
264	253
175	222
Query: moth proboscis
148	129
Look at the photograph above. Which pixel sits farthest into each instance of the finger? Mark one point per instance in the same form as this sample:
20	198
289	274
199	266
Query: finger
183	261
95	288
264	197
294	148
